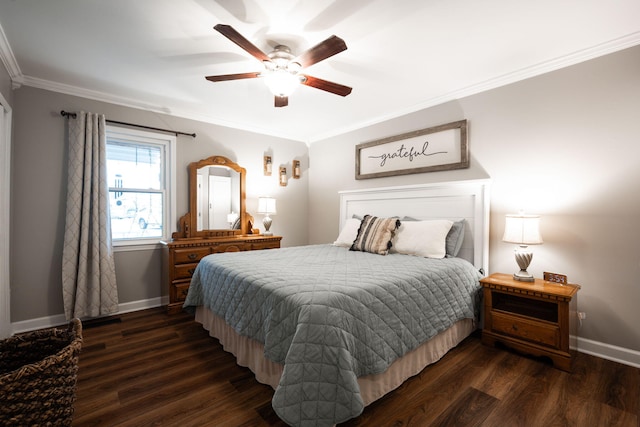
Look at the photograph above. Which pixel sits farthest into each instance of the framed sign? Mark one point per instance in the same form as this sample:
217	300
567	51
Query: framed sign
433	149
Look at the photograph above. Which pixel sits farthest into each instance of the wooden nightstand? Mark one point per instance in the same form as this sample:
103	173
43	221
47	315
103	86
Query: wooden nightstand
532	317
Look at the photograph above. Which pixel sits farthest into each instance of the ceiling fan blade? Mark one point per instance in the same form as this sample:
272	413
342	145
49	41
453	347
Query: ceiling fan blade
323	50
281	101
224	77
326	85
229	32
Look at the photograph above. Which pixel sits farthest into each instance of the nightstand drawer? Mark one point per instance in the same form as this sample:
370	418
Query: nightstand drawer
530	330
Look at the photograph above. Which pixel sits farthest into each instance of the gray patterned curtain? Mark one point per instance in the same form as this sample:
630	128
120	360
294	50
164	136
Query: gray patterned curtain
88	270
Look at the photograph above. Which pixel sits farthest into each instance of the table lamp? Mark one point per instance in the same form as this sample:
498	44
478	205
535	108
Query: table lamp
266	207
523	230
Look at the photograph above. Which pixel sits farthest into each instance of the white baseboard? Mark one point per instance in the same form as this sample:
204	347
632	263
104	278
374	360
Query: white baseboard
59	319
143	304
605	351
610	352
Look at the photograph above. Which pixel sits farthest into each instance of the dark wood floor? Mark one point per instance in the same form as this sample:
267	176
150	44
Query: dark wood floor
151	369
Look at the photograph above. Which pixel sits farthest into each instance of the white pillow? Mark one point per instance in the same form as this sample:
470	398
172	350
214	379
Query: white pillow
349	233
422	238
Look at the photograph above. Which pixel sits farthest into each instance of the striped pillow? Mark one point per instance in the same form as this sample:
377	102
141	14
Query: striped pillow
375	235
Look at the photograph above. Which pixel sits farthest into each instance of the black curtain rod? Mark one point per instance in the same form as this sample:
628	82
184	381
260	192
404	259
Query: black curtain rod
73	116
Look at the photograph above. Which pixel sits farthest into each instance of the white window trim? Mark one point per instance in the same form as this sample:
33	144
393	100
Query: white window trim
170	219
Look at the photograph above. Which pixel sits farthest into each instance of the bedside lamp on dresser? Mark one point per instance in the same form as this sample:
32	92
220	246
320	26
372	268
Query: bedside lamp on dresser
267	207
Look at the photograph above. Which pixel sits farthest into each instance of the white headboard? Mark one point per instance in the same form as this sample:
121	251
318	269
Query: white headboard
451	200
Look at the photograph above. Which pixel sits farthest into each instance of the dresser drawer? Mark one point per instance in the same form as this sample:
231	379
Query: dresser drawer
530	330
229	247
179	291
184	271
265	245
189	255
181	257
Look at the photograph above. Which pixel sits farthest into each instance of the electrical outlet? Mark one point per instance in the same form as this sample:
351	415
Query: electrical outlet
582	315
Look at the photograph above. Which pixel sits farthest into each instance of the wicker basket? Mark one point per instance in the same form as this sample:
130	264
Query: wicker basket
38	372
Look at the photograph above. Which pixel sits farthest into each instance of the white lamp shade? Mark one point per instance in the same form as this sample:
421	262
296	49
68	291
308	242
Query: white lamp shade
266	205
522	229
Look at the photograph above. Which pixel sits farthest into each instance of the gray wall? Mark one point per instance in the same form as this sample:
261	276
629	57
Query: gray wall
39	191
563	145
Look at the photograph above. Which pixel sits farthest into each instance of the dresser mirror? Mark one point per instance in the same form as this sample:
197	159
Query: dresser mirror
216	200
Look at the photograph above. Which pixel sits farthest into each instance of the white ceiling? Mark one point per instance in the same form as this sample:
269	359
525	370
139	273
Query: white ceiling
403	55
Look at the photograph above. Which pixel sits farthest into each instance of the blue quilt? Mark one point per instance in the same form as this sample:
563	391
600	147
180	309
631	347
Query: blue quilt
330	315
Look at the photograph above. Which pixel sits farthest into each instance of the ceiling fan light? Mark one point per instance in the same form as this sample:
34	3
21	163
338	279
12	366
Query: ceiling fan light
281	82
269	65
281	62
294	67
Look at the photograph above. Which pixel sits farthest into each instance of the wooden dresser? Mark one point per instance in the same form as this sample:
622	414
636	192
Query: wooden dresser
536	318
181	256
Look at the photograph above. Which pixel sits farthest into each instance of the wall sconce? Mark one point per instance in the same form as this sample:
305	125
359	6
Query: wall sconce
523	230
296	169
283	176
268	165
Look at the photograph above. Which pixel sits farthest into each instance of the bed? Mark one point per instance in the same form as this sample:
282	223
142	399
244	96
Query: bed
332	329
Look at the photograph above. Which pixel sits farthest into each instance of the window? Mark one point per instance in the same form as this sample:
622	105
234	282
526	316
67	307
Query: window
140	173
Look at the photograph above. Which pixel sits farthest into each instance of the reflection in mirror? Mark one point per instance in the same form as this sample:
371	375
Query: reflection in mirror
218	198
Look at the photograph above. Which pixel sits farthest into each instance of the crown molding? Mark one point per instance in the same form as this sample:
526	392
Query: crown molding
9	61
92	94
18	79
140	105
583	55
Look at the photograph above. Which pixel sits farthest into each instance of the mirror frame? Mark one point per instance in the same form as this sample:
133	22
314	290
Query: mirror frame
187	223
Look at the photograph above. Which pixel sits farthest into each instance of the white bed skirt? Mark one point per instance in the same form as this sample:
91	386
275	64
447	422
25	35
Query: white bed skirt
250	353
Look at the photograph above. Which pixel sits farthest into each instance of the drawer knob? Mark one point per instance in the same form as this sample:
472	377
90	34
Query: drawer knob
191	270
192	256
515	327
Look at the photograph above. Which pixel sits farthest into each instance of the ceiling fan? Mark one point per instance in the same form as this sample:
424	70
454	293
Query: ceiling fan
282	70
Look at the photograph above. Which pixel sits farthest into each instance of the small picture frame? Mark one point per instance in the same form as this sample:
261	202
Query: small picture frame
268	166
295	174
283	176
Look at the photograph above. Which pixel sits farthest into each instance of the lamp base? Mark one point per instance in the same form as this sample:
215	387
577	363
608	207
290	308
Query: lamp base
523	276
267	224
523	258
